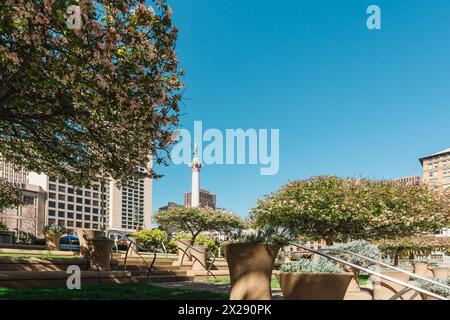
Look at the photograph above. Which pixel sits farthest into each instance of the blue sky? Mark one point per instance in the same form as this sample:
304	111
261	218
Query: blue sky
347	100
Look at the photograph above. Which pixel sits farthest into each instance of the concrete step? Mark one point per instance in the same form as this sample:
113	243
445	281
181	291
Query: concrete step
40	264
47	279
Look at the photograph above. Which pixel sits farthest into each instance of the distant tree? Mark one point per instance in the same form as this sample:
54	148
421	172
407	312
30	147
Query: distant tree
197	220
338	209
91	101
10	195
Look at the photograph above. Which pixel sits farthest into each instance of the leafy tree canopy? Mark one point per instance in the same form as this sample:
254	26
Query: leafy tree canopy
197	220
92	101
338	209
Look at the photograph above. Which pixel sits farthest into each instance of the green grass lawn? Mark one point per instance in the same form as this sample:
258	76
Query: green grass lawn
129	291
274	281
363	280
20	255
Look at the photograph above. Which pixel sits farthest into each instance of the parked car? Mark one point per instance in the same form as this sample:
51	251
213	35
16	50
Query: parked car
70	243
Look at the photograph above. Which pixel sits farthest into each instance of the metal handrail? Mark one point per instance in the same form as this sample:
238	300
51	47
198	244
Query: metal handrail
380	275
134	246
208	270
413	275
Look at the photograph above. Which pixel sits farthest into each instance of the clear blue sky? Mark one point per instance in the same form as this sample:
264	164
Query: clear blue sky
348	101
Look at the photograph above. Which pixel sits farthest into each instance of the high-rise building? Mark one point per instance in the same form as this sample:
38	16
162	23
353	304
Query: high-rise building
130	206
436	169
206	199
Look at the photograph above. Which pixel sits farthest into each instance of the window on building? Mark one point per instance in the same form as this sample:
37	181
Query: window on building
87	225
51	221
52	187
52	204
51	195
70	215
79	216
70	190
61	189
51	213
61	214
79	208
70	198
61	205
61	197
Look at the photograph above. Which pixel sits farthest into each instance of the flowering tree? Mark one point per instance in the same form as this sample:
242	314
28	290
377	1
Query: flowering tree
197	220
337	209
90	94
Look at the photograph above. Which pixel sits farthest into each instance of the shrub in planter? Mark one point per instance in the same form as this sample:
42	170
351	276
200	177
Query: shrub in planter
151	238
250	262
3	227
360	247
53	235
434	288
313	280
100	257
204	240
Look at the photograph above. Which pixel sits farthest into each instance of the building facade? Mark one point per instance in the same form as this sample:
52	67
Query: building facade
26	221
409	181
206	199
72	207
436	169
130	206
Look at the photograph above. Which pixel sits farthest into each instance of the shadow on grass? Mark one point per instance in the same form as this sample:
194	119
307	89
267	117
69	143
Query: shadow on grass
129	291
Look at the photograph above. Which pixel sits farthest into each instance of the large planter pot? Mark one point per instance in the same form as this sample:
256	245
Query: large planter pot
184	251
101	254
421	269
84	235
250	266
354	282
199	257
385	289
426	297
52	240
314	286
441	273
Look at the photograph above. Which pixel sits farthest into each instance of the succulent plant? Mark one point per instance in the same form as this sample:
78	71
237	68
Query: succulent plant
270	235
321	265
54	228
435	288
360	247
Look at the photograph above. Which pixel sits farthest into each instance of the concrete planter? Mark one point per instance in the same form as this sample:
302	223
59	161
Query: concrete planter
101	254
84	235
384	289
425	297
184	251
421	269
52	240
441	273
314	286
199	257
250	266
